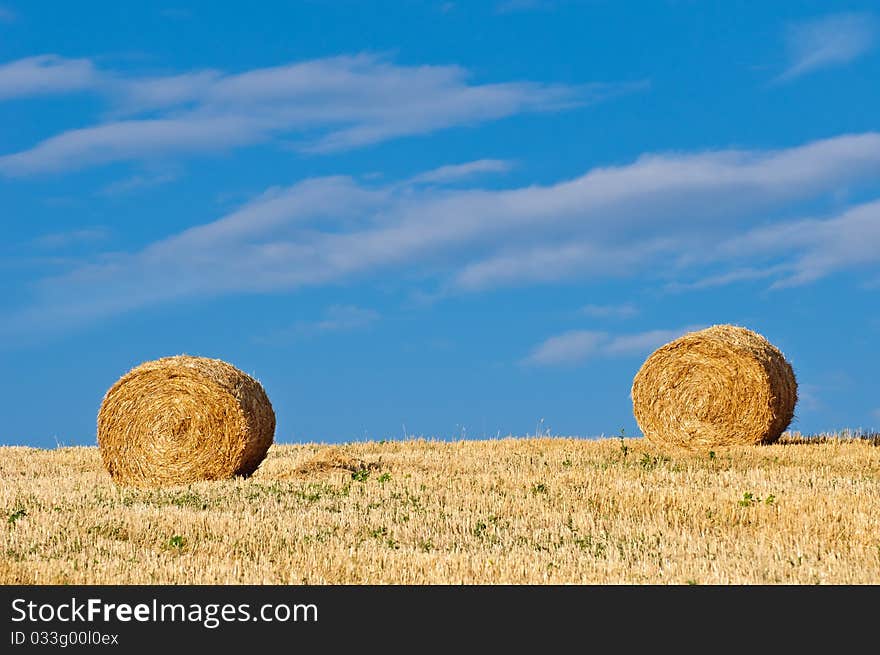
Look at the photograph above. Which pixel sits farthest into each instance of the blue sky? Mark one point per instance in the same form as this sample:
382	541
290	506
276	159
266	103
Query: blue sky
434	218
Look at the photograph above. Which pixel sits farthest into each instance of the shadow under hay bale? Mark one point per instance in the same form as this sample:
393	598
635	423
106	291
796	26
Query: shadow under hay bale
183	419
724	385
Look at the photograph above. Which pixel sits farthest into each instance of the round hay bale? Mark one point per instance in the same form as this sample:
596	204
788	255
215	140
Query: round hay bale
720	386
182	419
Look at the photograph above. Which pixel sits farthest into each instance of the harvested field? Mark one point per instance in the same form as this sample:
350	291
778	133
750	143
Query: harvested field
527	510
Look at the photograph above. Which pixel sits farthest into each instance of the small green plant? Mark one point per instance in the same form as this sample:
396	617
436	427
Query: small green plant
650	462
188	498
712	455
624	449
382	535
385	477
177	542
14	515
539	488
109	531
360	475
596	547
748	499
567	462
426	546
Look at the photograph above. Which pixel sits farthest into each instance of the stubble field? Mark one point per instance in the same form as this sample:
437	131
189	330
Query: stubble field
527	510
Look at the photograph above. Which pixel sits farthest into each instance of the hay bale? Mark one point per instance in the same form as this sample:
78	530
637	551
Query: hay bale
182	419
720	386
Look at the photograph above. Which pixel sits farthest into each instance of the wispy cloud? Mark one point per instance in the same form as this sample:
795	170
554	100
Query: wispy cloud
137	183
126	140
567	348
45	75
681	215
326	105
828	41
58	240
814	248
624	310
809	396
513	6
344	317
460	172
576	346
746	274
176	13
555	260
661	205
337	318
645	342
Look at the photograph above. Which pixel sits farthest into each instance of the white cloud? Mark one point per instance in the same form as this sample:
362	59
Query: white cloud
57	240
624	310
459	172
669	215
136	139
554	261
337	318
809	396
828	41
133	96
326	104
566	348
175	13
645	342
345	317
575	346
137	183
815	247
45	75
730	277
513	6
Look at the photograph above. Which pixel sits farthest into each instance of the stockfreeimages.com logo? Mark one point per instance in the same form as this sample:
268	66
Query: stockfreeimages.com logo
209	615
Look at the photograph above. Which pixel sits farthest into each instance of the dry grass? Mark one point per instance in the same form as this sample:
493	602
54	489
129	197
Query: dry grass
545	510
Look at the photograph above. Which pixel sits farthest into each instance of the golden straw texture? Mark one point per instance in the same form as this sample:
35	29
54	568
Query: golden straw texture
719	386
182	419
